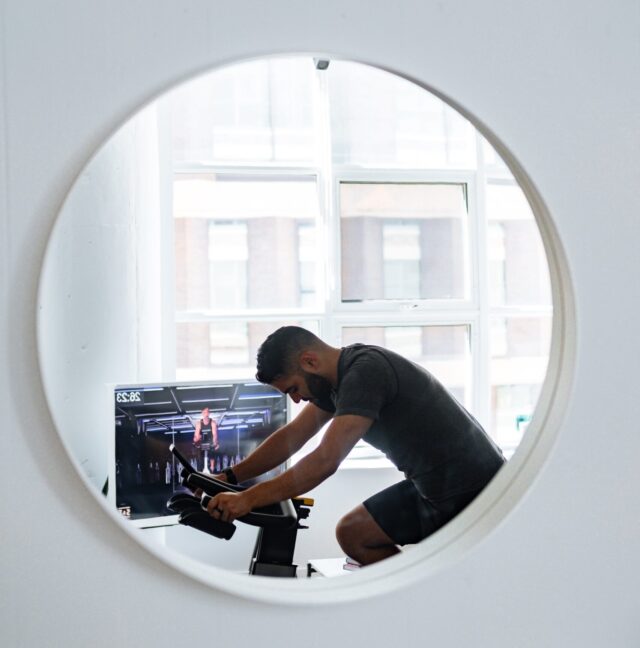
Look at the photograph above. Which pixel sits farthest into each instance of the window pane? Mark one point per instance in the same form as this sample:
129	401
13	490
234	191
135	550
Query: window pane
518	270
224	349
379	119
258	111
442	350
403	241
519	358
244	242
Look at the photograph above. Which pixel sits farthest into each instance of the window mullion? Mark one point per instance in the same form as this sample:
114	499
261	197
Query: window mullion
328	260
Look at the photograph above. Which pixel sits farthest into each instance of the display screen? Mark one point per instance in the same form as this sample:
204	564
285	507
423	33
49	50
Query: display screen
214	425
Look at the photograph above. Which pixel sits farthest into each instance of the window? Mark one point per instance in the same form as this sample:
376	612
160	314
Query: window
519	355
240	234
403	241
358	205
519	273
382	121
260	112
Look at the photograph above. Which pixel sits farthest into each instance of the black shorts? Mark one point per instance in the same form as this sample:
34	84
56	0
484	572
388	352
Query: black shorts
407	517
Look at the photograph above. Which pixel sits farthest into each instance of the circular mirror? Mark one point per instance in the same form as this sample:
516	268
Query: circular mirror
291	190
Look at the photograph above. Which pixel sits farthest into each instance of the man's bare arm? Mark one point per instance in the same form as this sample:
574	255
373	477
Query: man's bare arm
283	443
343	433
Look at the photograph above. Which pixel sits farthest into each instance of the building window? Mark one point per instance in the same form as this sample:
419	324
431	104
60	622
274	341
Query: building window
401	256
403	241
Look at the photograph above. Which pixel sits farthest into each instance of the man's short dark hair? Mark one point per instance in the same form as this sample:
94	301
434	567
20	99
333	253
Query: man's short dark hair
279	353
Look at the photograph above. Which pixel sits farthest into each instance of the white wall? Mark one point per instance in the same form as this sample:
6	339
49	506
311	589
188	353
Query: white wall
558	82
100	299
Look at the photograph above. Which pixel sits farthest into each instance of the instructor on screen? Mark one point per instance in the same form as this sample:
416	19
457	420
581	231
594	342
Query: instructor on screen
206	431
370	393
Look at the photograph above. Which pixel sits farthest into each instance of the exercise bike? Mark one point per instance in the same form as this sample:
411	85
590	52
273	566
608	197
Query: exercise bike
278	523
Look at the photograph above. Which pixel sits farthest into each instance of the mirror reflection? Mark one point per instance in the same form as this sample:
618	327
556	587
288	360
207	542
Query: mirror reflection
379	233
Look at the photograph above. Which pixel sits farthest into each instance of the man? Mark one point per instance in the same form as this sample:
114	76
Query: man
373	394
206	434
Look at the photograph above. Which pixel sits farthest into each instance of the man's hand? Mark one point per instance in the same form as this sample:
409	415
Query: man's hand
229	506
219	476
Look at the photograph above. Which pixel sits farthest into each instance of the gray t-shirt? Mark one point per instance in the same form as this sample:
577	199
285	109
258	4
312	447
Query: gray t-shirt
417	423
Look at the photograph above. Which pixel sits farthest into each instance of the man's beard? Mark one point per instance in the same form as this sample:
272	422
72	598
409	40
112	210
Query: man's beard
319	388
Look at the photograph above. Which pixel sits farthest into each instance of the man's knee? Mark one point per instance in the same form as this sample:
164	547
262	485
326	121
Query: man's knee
362	539
349	530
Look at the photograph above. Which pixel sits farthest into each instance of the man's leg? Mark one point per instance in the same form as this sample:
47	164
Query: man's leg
392	518
362	539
